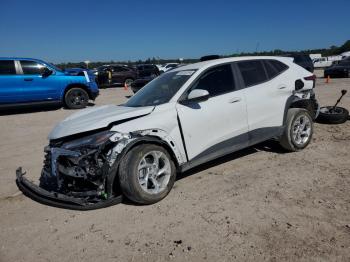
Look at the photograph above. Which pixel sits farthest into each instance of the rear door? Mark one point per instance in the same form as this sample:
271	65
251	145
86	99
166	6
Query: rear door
35	87
216	125
119	74
10	83
267	92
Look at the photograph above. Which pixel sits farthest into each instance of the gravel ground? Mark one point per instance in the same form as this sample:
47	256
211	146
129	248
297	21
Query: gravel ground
259	204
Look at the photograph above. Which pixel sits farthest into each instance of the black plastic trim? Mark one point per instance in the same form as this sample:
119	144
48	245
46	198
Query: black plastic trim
234	144
11	105
182	136
42	196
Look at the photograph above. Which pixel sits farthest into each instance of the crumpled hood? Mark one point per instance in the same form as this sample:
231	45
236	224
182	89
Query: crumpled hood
95	118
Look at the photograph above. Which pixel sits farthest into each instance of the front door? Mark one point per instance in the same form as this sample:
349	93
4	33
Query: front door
216	125
35	86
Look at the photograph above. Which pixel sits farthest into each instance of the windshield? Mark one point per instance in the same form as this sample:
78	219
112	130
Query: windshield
160	90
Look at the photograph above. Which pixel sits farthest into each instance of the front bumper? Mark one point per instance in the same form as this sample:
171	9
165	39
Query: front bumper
93	95
55	199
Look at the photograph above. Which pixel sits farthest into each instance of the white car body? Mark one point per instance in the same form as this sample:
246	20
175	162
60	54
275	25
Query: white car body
256	112
183	118
322	62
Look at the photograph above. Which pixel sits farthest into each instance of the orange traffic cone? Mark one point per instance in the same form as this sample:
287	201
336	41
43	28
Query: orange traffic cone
125	86
328	79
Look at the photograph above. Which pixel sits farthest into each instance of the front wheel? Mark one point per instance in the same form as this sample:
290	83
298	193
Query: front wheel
298	131
147	174
76	98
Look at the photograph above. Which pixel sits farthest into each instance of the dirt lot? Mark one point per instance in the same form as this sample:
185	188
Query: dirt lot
255	205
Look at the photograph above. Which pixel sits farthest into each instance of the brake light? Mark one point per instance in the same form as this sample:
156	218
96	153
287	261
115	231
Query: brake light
310	78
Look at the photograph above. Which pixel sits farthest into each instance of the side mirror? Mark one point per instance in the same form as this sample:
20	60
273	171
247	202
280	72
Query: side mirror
198	95
46	72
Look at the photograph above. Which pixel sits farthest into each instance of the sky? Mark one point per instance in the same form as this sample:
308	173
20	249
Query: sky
105	30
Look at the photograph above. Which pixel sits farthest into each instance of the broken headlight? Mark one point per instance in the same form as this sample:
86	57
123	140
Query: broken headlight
90	141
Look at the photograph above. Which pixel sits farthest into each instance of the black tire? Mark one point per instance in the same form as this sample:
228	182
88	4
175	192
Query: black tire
287	141
128	175
329	116
76	98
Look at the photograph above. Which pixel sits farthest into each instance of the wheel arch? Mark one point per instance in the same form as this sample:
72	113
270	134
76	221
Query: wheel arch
114	180
149	139
76	85
296	102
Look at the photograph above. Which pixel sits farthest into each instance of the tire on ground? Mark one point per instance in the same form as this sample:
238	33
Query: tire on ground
286	140
76	98
341	115
128	175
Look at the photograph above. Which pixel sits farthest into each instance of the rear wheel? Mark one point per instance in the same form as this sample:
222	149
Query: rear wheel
298	131
147	174
76	98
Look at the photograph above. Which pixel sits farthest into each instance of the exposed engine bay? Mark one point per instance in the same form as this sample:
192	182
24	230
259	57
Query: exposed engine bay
81	173
83	169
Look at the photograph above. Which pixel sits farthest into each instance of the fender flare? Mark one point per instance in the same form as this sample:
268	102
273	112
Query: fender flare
111	185
296	102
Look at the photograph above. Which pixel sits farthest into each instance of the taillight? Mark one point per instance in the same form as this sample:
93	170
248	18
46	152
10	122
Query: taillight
310	78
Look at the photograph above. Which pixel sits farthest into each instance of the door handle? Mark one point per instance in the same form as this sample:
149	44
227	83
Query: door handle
282	87
28	79
234	100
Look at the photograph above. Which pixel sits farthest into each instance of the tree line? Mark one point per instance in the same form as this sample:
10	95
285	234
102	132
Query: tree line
333	50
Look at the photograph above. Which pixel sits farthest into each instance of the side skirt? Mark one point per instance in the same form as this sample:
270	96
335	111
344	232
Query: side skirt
234	144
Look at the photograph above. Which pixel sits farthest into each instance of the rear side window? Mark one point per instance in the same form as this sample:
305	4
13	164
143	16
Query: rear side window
253	72
274	68
120	69
31	67
217	81
344	63
7	67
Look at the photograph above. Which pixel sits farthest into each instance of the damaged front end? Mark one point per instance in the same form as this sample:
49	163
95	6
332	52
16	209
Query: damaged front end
79	173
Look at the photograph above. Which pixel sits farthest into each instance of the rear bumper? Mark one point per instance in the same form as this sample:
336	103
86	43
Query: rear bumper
55	199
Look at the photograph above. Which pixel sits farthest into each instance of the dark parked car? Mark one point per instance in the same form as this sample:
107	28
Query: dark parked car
111	75
147	70
141	82
303	60
342	69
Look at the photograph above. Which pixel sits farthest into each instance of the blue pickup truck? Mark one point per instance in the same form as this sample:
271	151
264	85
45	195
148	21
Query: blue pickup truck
32	81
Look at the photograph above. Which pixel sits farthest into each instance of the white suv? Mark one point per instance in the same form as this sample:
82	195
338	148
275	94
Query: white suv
183	118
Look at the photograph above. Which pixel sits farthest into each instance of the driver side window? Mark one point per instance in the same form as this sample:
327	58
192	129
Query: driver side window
32	67
217	81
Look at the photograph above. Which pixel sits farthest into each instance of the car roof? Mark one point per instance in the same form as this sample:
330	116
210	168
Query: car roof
18	58
209	63
23	58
